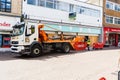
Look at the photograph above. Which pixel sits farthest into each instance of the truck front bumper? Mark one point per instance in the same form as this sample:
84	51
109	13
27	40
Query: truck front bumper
19	49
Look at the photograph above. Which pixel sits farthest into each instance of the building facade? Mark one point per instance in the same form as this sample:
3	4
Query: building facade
95	2
67	15
10	13
111	22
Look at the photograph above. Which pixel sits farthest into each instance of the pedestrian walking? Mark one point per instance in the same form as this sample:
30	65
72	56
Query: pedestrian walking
88	44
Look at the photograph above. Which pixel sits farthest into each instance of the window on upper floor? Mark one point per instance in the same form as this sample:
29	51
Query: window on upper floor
51	3
5	5
88	11
62	6
55	4
113	6
32	2
109	5
109	19
117	20
71	8
117	7
41	2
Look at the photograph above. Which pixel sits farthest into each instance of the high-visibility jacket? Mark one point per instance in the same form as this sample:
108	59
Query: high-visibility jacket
88	41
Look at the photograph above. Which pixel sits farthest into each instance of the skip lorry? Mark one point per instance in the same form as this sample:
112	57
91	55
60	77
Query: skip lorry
29	37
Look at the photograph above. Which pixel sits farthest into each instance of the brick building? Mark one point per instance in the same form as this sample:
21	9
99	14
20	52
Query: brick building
111	22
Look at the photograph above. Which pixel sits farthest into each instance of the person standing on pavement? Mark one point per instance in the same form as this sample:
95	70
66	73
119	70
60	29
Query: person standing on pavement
88	44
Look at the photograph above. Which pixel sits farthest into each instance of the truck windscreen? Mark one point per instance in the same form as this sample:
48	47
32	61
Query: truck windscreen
18	30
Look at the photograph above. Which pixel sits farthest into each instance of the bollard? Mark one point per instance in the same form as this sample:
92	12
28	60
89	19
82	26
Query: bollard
102	78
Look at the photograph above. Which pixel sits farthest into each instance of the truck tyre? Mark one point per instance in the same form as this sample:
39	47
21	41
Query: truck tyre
36	51
66	48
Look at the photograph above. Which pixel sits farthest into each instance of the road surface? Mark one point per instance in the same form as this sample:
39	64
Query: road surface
82	65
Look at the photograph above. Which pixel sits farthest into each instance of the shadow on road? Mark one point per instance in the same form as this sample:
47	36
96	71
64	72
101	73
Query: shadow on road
5	56
46	56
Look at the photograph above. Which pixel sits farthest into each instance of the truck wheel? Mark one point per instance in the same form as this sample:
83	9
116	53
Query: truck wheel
66	48
36	51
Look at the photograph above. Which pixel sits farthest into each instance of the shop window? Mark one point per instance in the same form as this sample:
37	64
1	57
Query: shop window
5	5
6	41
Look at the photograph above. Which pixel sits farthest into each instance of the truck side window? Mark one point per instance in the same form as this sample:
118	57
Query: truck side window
30	30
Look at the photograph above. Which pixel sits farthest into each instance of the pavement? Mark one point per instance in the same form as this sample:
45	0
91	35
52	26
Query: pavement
4	49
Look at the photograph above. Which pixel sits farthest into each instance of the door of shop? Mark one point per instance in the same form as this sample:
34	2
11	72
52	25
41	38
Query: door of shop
6	41
113	39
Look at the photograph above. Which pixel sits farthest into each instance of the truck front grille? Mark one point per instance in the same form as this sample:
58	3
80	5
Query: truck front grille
14	49
14	42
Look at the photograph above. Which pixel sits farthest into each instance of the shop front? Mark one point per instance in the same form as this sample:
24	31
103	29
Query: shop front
6	23
111	36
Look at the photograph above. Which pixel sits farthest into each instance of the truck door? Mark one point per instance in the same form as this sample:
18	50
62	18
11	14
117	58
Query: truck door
31	33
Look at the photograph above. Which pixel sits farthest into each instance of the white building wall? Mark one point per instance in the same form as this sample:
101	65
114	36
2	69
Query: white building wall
88	20
43	13
7	22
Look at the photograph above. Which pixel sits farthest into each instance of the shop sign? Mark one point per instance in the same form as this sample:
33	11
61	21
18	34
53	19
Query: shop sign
5	24
115	30
112	29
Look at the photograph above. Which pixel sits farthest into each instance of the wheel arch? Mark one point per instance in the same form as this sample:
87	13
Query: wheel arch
68	44
35	43
63	47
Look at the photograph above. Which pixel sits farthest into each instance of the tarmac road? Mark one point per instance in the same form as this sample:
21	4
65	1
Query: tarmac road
84	65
